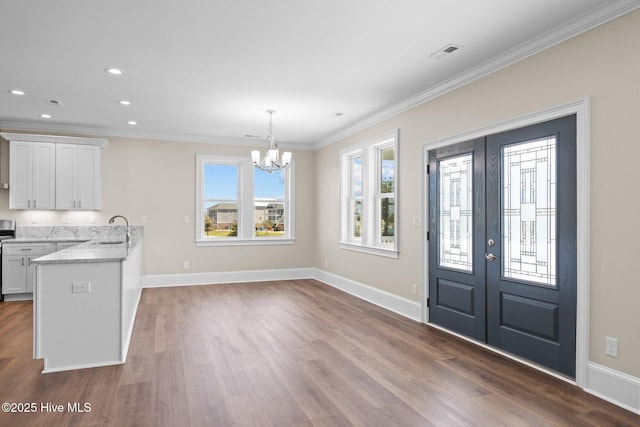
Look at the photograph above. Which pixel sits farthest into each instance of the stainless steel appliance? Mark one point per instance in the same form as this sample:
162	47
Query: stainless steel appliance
7	231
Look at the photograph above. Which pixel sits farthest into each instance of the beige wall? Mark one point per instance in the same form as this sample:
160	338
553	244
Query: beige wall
157	179
603	64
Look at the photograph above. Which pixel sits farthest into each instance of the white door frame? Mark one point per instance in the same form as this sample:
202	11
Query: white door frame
581	108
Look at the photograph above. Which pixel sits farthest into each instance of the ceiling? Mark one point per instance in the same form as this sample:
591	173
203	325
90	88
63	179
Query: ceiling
208	70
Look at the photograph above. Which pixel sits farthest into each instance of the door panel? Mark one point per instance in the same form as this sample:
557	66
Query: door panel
456	263
531	200
512	282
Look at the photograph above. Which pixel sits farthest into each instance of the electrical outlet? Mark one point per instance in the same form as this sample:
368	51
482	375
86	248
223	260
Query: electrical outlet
326	263
79	288
185	265
187	220
34	219
417	221
143	219
414	289
65	219
611	347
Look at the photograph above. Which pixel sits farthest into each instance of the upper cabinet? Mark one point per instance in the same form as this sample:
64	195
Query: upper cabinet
32	171
77	177
54	172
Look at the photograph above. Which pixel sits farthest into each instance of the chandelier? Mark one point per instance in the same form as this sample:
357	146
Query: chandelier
271	160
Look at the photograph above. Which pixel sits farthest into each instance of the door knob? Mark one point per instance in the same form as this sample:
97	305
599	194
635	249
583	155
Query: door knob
490	257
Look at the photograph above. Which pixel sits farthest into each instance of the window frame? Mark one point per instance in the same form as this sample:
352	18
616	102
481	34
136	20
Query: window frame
246	204
370	240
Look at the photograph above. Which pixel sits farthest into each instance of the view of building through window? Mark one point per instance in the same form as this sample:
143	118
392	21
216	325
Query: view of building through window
221	202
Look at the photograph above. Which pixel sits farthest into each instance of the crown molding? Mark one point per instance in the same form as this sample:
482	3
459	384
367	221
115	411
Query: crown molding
577	26
84	131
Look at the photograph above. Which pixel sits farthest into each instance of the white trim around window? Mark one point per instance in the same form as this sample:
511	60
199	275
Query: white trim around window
245	204
369	196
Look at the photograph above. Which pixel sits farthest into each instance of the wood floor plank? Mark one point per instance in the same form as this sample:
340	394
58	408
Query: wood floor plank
287	353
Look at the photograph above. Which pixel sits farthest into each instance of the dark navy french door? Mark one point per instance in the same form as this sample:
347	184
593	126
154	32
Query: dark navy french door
502	246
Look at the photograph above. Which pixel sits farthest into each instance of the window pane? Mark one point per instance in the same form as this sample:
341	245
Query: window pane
269	185
357	219
221	219
269	219
356	176
221	200
529	211
269	206
455	216
387	170
220	182
387	219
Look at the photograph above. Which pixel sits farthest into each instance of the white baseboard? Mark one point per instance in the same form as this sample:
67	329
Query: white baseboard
216	278
613	386
403	306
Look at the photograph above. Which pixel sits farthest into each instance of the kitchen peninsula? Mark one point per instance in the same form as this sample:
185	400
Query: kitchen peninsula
85	300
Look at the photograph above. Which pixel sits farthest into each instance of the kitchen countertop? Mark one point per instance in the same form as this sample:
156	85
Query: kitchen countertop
95	243
96	250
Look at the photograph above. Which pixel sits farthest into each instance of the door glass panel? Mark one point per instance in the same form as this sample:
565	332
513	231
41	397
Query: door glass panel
455	216
529	211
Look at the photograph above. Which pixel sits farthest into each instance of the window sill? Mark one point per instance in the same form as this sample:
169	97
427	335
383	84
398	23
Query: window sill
245	242
388	253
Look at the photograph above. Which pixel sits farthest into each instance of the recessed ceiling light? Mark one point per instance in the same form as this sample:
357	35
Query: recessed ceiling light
124	102
114	71
132	123
45	116
53	102
16	92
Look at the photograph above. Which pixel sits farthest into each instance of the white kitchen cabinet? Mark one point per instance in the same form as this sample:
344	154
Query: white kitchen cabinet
18	270
78	177
32	167
54	172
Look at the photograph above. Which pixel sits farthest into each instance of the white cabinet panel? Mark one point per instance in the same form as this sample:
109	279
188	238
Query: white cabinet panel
18	269
78	177
31	175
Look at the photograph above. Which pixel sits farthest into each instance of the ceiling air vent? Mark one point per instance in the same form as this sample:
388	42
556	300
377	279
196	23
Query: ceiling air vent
445	51
53	102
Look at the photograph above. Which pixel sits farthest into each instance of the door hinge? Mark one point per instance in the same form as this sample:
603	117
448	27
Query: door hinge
428	169
428	302
427	235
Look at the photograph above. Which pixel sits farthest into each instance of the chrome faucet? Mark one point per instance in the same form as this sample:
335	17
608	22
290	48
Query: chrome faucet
113	218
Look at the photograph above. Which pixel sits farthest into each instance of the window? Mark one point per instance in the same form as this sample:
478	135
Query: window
239	204
368	205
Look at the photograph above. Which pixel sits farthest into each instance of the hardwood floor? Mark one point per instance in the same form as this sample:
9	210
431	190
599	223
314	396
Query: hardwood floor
287	353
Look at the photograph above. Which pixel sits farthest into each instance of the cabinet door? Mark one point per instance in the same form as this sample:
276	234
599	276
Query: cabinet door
14	271
89	177
66	176
32	175
77	177
44	175
19	175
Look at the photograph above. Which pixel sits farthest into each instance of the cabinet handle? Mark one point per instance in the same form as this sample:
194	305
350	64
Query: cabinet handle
26	249
29	204
34	204
28	260
80	204
23	261
74	204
